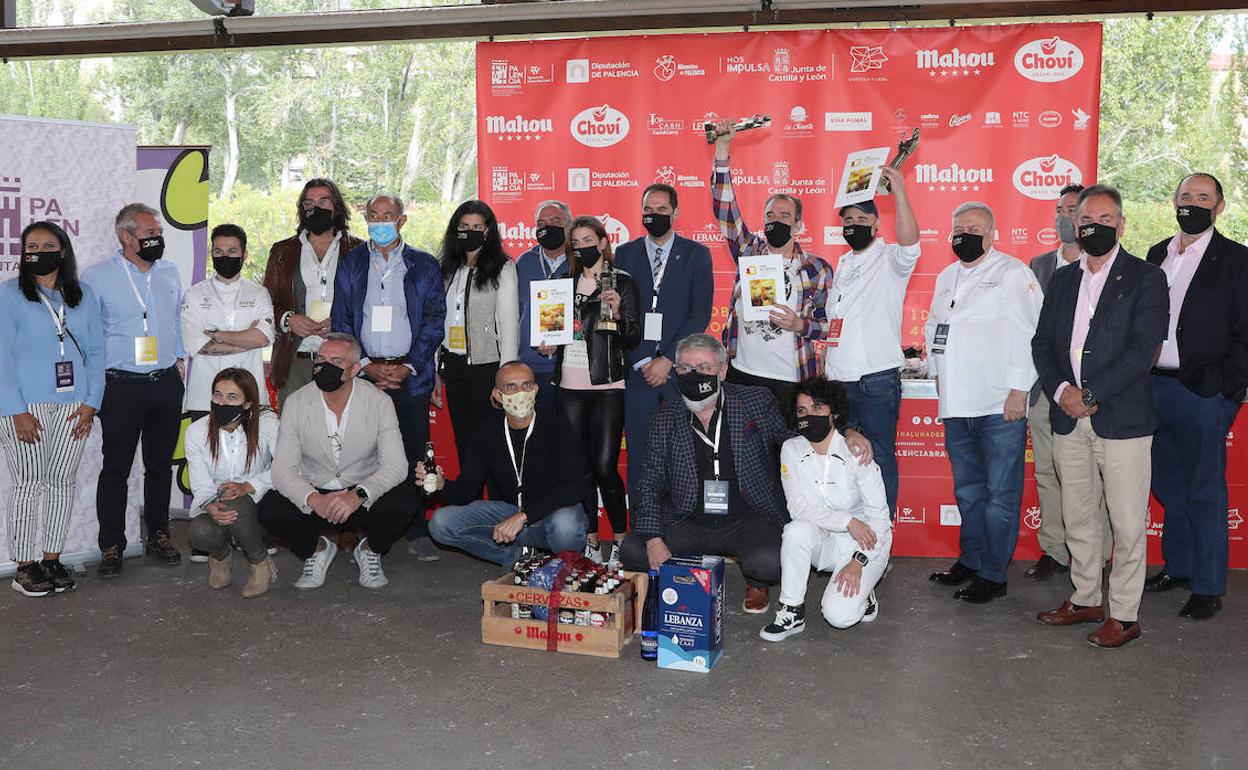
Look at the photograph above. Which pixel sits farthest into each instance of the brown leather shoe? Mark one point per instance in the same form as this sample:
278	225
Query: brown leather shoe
1068	615
1112	635
1046	568
757	600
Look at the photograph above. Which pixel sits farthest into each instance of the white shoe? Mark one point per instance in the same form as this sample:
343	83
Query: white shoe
593	553
613	561
873	609
315	568
371	575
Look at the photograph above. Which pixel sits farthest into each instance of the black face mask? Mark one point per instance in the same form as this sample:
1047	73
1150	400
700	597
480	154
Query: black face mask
1194	220
696	386
151	249
778	233
317	220
588	256
327	376
550	236
656	224
1097	239
43	262
968	246
814	427
225	414
227	267
470	240
858	237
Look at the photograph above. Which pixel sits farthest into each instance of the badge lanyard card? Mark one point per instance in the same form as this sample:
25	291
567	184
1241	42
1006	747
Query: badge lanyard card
714	491
145	348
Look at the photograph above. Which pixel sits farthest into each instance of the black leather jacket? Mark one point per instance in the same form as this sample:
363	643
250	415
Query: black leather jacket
606	351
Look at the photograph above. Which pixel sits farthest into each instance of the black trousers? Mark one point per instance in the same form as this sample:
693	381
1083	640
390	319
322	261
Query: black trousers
782	390
382	524
468	389
753	540
150	409
412	412
597	416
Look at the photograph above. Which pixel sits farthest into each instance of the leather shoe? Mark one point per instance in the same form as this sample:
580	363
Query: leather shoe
958	574
1069	615
1201	607
1046	568
1112	635
980	591
1164	581
757	599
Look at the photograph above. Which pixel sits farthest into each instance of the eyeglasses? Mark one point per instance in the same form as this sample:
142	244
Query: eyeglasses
703	368
512	388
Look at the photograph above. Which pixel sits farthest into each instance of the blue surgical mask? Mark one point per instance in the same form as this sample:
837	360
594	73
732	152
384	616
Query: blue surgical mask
383	233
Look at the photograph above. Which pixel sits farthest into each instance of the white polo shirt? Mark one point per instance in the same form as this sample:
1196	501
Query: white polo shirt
867	293
233	306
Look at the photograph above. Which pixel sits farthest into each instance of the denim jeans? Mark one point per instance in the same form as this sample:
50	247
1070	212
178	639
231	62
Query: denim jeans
875	405
471	528
987	455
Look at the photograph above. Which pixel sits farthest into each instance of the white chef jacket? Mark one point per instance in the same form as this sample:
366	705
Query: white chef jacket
231	462
867	292
213	304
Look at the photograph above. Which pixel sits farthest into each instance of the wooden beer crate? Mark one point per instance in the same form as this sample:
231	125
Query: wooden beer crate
621	608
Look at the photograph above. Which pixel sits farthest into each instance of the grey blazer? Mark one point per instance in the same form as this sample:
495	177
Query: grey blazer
372	448
1044	266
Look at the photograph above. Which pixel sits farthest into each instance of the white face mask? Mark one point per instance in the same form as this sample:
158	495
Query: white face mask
698	406
519	405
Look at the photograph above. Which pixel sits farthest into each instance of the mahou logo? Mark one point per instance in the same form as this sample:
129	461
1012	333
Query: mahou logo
599	126
1049	60
953	59
1043	178
930	173
517	124
617	233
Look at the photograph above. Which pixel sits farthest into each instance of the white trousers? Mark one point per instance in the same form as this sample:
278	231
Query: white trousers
805	545
42	477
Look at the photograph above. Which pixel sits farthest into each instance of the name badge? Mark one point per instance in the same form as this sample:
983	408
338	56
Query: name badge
941	337
715	497
382	319
318	309
457	341
654	327
64	376
144	351
834	333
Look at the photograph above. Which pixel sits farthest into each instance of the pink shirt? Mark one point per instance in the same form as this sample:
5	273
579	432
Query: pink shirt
1090	287
1179	269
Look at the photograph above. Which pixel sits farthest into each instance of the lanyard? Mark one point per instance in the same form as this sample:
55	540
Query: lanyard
719	418
549	266
957	282
58	321
135	289
524	456
389	269
460	287
323	274
212	284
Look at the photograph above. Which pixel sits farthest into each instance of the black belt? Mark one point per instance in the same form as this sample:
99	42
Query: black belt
1166	372
128	376
304	354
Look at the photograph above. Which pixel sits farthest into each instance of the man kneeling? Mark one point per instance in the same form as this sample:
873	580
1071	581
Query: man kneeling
840	517
536	477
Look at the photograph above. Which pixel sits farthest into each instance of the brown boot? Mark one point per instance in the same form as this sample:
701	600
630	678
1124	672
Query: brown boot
219	572
261	577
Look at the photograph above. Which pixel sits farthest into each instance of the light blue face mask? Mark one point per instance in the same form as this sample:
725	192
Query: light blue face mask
383	233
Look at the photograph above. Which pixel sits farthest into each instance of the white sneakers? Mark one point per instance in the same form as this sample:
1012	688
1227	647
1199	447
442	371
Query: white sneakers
314	568
371	575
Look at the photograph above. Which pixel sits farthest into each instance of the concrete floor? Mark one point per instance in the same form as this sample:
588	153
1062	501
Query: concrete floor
155	670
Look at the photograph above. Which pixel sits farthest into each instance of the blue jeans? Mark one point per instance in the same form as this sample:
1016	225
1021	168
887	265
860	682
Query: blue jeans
987	455
875	404
471	528
1189	480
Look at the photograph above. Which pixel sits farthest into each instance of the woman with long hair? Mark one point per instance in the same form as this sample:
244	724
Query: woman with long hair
482	316
230	454
51	384
591	371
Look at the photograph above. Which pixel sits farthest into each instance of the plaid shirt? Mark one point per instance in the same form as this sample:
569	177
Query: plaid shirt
815	274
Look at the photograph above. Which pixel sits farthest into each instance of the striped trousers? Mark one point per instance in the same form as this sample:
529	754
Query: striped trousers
42	478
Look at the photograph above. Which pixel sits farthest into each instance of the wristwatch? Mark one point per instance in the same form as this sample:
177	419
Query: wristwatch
362	494
861	558
1088	399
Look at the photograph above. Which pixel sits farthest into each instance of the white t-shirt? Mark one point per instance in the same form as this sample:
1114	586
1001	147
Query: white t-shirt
318	281
762	349
867	292
233	306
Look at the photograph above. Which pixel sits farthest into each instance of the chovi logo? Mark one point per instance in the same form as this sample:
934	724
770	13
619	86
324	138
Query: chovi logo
1043	178
599	126
1048	60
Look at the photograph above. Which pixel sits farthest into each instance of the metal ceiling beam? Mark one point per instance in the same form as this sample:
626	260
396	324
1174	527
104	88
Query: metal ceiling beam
538	19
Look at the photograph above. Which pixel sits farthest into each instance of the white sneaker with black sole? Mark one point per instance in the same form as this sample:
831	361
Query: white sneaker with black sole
199	557
371	574
316	567
873	609
789	621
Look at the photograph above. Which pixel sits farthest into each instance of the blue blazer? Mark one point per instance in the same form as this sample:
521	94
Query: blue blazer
426	307
685	297
670	488
1124	339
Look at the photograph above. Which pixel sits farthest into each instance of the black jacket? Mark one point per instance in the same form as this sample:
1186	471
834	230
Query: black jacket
606	351
554	477
1123	340
1213	323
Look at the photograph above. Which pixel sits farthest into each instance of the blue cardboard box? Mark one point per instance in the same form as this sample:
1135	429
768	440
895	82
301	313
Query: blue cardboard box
691	613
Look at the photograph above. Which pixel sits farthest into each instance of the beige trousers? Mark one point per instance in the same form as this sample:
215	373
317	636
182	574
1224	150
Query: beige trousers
1123	467
1052	534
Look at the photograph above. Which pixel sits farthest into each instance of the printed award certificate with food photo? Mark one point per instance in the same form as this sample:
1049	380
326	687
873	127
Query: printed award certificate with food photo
551	312
861	177
762	285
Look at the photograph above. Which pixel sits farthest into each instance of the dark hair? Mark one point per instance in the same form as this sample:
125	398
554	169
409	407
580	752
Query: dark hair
66	274
1070	188
251	421
663	188
230	231
830	393
492	257
341	212
796	201
1217	186
1101	189
588	223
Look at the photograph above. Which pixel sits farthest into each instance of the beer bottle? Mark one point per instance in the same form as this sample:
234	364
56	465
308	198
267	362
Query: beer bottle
649	620
431	470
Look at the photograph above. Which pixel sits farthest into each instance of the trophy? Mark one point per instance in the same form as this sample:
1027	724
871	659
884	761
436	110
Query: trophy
607	322
905	149
744	124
